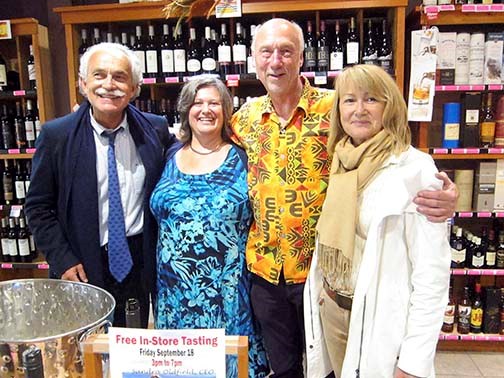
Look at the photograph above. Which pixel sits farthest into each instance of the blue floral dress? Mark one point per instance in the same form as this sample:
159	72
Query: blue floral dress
202	279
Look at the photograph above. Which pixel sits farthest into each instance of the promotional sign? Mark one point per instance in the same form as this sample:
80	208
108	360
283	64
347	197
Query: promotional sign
146	353
5	29
228	8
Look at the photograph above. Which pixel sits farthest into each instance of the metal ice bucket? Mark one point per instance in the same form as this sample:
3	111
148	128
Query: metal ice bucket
54	316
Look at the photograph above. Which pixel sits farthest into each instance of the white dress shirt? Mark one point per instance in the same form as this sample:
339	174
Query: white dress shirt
131	173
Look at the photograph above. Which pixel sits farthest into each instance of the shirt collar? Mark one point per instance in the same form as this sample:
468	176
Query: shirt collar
267	106
99	129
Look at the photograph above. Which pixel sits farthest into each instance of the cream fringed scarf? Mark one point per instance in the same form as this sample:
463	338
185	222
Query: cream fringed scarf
351	171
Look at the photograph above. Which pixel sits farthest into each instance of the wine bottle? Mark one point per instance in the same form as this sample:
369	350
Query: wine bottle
193	54
464	313
32	73
13	247
491	251
7	132
19	127
499	255
164	111
151	54
96	36
208	54
352	44
487	123
3	74
458	250
4	240
19	183
251	68
8	184
239	52
224	53
310	51
29	124
23	242
38	125
132	313
322	49
370	52
109	38
476	310
179	54
124	40
449	315
84	45
27	175
336	59
167	68
477	254
32	362
139	47
385	50
236	104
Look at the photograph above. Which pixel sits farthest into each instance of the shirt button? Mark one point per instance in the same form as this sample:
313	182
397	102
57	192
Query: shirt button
282	235
282	156
281	210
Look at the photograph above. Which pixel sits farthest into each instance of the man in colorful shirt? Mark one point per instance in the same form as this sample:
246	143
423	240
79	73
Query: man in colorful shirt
284	134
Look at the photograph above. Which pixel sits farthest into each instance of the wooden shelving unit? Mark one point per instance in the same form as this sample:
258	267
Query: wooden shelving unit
73	18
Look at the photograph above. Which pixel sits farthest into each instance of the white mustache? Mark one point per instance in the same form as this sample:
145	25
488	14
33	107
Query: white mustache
114	93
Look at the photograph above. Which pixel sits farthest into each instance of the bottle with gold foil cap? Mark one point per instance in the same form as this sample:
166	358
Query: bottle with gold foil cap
487	124
499	122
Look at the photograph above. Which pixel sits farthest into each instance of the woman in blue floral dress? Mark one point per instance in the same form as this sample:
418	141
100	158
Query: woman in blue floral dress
203	211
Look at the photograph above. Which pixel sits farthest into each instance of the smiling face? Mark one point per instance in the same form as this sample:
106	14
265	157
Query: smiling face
108	86
278	56
206	116
360	114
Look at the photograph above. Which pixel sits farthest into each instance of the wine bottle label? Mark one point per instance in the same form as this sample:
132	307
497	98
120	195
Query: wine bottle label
224	54
464	315
449	315
472	116
386	64
30	130
24	247
370	59
31	72
5	247
37	127
3	75
323	57
458	256
12	247
32	243
336	61
141	57
193	65
490	259
451	131
251	68
352	52
180	60
239	53
476	317
20	189
152	61
209	64
310	57
478	261
167	61
487	131
27	185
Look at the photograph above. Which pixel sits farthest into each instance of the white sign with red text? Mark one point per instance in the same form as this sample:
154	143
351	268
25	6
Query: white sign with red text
148	353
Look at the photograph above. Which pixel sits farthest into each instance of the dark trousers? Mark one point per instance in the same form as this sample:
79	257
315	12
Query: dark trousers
130	287
279	311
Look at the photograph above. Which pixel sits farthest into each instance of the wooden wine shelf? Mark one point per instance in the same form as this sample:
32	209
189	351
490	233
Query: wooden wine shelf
461	14
40	265
469	88
473	153
477	272
478	214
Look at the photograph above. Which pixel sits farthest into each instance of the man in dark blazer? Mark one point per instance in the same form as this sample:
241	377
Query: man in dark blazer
67	203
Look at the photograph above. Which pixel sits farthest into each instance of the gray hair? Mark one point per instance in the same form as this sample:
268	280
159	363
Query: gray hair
186	101
136	68
298	29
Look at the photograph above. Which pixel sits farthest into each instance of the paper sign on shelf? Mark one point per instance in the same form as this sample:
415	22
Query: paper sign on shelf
5	29
148	353
423	74
228	8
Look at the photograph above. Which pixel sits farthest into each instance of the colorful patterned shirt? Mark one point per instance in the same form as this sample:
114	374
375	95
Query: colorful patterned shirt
287	179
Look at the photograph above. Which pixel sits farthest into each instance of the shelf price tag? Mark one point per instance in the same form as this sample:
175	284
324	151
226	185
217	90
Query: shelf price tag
43	266
6	266
19	93
149	80
228	9
320	78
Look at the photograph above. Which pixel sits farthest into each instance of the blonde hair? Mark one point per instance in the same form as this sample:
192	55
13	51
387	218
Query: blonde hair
380	85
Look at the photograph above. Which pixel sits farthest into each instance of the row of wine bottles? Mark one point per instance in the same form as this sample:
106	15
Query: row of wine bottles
206	51
475	313
15	181
9	75
20	126
17	242
477	252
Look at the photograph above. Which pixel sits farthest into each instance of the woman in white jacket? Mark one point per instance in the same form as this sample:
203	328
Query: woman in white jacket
380	273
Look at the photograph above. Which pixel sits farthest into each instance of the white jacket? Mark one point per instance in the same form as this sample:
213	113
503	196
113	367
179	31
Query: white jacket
402	285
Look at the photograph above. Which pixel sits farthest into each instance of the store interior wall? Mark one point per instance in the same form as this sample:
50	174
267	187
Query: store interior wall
42	10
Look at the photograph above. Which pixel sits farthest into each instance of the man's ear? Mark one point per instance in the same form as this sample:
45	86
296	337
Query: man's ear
82	86
301	59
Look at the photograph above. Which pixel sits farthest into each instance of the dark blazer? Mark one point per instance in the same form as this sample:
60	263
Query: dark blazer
62	201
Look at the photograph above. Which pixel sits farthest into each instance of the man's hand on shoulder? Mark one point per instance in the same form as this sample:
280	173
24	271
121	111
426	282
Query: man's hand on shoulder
438	205
75	273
